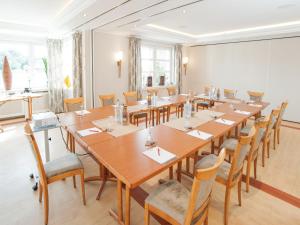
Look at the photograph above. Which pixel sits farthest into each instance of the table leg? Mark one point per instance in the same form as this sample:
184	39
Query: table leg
127	206
29	108
120	201
47	154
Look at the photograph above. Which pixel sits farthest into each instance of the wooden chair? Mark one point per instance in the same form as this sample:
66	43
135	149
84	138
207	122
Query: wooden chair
228	93
57	169
177	205
171	90
73	104
255	96
277	125
152	91
163	111
231	143
131	98
107	99
230	174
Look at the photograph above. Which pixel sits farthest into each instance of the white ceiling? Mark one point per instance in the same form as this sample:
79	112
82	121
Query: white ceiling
187	21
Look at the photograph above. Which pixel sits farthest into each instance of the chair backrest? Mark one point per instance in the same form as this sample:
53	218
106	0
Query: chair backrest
271	121
228	93
107	99
171	90
152	91
130	97
201	189
73	104
239	155
280	115
256	96
36	152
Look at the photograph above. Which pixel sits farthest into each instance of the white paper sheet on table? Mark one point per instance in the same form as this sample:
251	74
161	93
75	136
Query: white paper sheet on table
200	134
223	121
89	131
255	105
161	156
82	112
242	112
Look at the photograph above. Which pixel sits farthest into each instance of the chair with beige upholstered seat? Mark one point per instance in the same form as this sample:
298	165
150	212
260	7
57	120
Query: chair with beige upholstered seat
57	169
277	124
228	93
73	104
230	174
106	100
231	144
176	204
131	98
255	96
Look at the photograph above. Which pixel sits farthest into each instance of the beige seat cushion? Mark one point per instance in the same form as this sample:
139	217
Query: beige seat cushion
61	165
230	144
173	198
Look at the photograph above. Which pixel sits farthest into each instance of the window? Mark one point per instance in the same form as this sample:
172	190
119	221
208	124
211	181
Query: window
28	64
157	61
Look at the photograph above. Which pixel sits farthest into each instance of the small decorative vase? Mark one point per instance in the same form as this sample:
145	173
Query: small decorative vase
7	76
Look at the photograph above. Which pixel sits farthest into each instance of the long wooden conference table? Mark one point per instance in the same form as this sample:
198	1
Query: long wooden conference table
123	156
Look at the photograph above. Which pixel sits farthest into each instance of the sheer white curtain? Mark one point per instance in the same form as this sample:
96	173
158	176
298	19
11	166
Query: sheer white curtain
77	64
178	67
134	67
55	75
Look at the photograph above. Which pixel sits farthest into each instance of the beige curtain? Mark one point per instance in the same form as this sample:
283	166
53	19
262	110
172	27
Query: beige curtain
134	67
77	64
178	67
55	76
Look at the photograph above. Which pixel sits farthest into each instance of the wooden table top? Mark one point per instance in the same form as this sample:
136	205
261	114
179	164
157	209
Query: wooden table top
123	155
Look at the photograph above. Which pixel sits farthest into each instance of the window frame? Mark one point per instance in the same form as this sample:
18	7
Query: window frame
157	46
31	58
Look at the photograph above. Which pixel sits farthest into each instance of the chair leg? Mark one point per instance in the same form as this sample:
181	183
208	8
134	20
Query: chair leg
146	215
46	204
74	181
226	205
40	192
171	173
240	191
263	154
278	135
248	174
274	140
206	220
82	187
255	168
268	149
187	164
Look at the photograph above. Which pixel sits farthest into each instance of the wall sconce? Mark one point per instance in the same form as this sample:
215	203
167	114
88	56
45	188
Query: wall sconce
185	61
119	58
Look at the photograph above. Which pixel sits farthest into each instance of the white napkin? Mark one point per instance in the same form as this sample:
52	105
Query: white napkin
223	121
255	105
159	155
242	112
200	134
82	112
89	131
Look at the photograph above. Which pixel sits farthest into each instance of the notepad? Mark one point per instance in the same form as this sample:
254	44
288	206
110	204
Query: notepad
225	122
159	155
242	112
89	131
200	134
82	112
255	105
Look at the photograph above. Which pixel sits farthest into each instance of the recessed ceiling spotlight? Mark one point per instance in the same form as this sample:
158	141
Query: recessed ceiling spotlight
84	15
184	11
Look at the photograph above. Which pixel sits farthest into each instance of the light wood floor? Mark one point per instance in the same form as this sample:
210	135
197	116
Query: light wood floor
20	205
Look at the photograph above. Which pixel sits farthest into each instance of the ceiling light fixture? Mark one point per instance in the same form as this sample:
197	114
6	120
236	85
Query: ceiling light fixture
278	25
84	15
184	11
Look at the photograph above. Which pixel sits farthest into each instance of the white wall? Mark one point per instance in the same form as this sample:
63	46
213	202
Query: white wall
106	79
271	66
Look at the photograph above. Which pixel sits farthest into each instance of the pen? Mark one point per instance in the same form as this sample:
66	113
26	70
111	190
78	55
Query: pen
91	130
158	151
